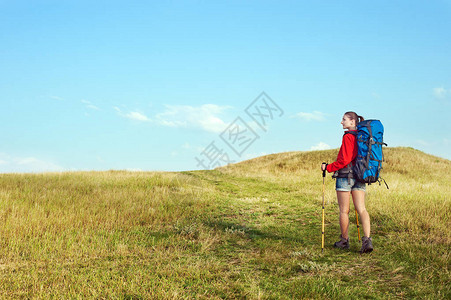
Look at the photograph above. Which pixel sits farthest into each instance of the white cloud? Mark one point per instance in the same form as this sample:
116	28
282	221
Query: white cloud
134	115
92	107
320	146
14	164
89	105
204	117
313	116
440	92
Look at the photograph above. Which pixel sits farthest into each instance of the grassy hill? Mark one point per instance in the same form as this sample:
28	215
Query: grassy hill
250	230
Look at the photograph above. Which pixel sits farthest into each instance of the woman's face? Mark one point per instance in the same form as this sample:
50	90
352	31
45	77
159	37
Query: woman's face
347	123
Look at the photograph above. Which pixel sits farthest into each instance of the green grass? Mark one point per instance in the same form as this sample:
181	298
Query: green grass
250	230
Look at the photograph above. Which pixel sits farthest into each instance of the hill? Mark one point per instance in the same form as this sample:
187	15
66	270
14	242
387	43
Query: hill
248	230
399	160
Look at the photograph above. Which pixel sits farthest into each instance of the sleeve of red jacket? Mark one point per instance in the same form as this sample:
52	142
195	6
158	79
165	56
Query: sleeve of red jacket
347	153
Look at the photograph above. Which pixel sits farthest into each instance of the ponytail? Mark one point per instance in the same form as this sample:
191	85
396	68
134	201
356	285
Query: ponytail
353	116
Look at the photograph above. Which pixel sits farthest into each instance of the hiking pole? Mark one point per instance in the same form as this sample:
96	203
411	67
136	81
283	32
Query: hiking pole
357	221
322	227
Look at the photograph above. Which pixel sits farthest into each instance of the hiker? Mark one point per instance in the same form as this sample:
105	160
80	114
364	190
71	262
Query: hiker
346	184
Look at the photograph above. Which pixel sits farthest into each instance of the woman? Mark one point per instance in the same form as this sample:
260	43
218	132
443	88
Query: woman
346	184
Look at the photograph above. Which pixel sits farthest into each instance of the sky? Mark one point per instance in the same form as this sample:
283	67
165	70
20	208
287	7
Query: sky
185	85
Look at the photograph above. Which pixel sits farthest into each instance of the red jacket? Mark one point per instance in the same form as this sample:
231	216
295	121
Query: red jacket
347	153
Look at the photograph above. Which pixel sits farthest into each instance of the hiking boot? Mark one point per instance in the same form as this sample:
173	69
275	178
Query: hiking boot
342	243
367	245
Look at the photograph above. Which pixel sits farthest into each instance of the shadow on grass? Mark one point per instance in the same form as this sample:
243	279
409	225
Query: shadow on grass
294	234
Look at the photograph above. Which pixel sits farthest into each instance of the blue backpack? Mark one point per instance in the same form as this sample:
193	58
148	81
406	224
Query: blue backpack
368	163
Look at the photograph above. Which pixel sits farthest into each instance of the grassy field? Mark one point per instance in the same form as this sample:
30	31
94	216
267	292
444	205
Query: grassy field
248	231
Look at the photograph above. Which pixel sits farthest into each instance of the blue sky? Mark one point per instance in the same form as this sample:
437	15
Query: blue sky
149	85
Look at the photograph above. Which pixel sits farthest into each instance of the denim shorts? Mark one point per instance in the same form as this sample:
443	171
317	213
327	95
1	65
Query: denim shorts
347	185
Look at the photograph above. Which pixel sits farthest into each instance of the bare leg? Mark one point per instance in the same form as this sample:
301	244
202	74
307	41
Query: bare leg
343	204
358	197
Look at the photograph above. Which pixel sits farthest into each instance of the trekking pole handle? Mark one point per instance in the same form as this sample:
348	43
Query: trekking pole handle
324	171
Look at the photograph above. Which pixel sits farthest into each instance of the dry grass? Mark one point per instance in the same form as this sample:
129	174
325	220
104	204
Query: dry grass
250	230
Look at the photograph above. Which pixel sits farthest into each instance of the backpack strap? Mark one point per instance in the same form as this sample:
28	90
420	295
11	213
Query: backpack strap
350	172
